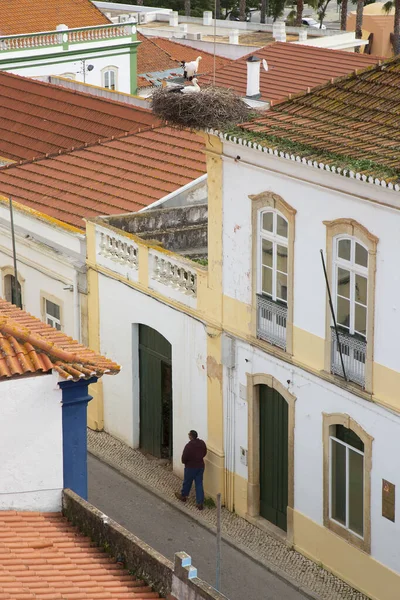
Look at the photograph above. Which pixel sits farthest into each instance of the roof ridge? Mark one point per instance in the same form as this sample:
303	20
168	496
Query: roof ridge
71	91
85	146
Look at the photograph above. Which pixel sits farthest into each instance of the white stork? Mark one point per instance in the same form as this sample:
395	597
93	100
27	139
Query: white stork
186	89
190	68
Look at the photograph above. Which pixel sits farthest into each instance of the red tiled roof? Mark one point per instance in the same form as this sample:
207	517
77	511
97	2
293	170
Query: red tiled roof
120	175
28	16
43	556
40	118
27	345
350	123
151	57
180	52
292	68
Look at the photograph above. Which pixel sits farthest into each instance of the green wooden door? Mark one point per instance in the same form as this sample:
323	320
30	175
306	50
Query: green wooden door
273	457
155	393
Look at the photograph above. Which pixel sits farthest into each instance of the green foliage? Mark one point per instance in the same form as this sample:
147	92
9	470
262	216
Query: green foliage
364	166
209	503
200	261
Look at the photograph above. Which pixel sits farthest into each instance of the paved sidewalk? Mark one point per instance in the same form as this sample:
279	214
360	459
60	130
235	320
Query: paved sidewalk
301	572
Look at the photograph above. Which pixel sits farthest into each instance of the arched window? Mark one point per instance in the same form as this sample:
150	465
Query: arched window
110	78
273	277
351	285
274	256
347	479
273	225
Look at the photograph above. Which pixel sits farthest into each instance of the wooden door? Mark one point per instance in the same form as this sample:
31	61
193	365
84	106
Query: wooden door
155	393
273	457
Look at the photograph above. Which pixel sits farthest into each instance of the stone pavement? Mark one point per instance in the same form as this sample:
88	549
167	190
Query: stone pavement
157	476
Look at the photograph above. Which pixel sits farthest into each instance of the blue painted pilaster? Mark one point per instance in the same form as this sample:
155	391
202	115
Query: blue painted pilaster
75	398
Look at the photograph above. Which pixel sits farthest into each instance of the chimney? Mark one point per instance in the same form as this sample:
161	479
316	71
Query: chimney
173	19
279	31
234	36
253	77
302	35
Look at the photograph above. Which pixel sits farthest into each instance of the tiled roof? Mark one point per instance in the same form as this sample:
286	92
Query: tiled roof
117	176
40	118
151	57
351	122
43	556
27	16
292	68
180	52
27	345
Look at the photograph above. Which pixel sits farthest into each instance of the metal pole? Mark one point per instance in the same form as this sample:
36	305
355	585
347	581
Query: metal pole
333	315
16	291
215	36
218	566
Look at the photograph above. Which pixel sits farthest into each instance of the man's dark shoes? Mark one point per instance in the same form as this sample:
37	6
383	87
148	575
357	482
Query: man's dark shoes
200	506
180	497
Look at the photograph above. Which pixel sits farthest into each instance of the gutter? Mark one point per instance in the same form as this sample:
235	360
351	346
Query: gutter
177	192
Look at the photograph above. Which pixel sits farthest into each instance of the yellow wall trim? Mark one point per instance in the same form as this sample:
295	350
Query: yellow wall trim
357	568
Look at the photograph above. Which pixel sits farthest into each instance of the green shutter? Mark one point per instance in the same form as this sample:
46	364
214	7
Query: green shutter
273	457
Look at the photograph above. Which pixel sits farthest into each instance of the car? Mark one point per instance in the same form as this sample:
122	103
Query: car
310	22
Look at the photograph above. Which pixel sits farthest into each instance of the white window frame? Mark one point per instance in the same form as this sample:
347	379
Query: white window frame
349	448
108	72
46	317
354	269
276	240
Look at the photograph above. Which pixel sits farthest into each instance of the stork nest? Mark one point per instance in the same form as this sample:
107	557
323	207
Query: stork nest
212	107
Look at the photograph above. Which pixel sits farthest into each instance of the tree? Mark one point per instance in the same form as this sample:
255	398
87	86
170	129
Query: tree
343	15
218	9
187	8
263	10
299	13
276	9
242	10
359	20
387	8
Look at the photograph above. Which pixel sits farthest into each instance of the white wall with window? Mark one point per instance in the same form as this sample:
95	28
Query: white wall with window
314	398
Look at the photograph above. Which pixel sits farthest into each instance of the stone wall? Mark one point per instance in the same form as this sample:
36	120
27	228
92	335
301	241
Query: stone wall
177	581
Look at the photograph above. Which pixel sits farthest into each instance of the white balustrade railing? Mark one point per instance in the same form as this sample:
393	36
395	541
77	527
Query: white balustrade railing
171	273
119	250
55	38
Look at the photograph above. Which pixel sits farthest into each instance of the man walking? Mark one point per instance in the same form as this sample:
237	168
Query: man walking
193	459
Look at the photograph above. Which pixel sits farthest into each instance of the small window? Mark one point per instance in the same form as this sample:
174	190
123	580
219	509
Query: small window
347	479
10	293
110	78
52	313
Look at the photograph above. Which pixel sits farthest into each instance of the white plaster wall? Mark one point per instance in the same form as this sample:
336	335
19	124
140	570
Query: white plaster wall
31	465
315	202
121	309
315	396
109	57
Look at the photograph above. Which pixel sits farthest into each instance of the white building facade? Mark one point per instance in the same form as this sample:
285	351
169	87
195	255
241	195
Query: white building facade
103	55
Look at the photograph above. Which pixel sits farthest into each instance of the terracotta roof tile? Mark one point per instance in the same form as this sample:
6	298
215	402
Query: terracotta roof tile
25	16
27	345
35	563
180	52
351	120
38	118
120	175
151	57
292	68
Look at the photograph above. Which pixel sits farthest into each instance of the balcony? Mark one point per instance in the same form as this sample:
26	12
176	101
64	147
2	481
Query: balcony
353	352
64	38
271	321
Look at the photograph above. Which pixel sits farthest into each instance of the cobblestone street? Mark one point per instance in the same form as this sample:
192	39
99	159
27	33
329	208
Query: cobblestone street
304	574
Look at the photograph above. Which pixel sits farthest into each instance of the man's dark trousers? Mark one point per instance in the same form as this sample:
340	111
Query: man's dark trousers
195	475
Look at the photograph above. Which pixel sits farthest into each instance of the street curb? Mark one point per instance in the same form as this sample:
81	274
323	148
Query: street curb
226	538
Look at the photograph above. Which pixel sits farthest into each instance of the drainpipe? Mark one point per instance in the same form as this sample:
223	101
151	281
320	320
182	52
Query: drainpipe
77	312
